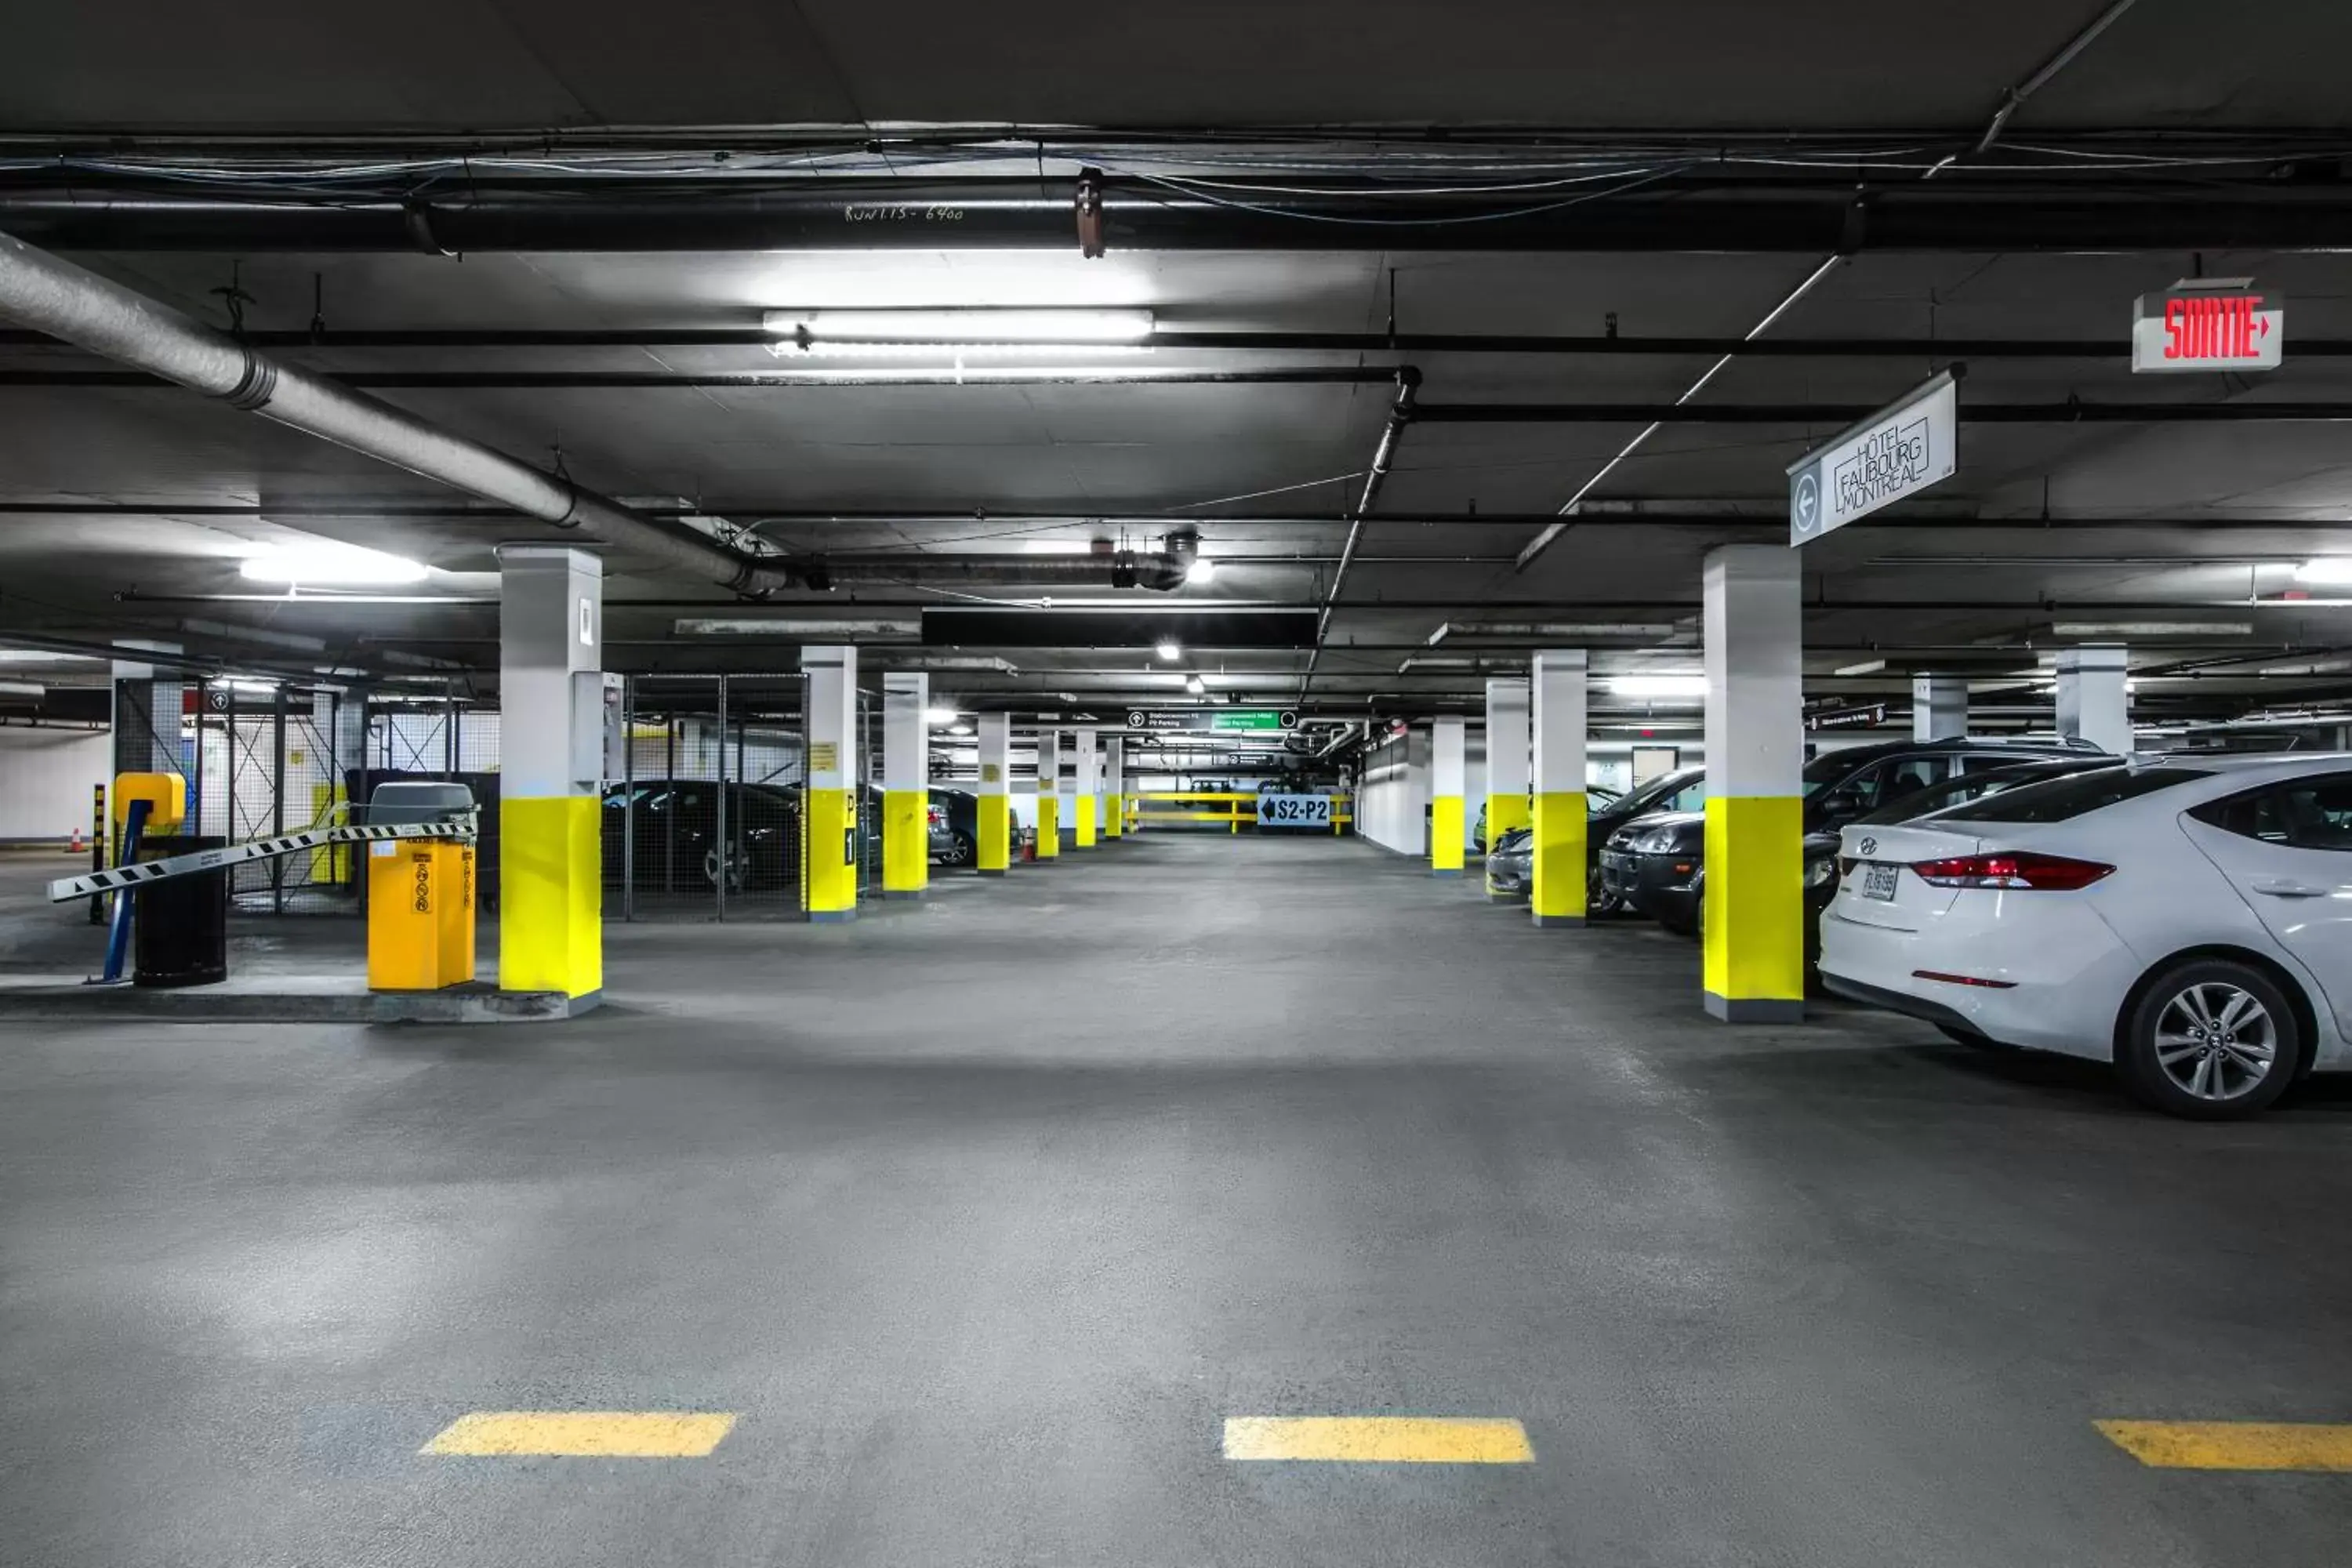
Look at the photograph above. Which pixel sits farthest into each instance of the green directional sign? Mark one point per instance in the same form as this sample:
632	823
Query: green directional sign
1252	719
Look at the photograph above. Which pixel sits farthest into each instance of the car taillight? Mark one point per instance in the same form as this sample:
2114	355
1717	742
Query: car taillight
935	816
2041	873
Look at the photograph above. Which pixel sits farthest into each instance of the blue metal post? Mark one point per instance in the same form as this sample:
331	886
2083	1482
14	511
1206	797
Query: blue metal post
118	934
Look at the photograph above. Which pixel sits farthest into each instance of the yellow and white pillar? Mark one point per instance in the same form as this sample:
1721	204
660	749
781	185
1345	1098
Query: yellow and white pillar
1506	763
995	794
551	764
1448	774
1085	786
1755	904
1049	793
1558	854
906	784
1115	786
829	815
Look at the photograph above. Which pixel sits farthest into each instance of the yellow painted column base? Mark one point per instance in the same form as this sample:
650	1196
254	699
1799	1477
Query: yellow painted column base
1754	909
995	847
1082	823
1115	820
1445	835
551	895
1049	826
829	851
906	843
1556	852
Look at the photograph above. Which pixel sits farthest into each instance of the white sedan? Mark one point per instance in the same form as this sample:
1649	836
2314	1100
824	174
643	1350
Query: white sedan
2188	919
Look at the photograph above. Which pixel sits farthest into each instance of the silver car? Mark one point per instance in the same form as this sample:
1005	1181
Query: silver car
1510	864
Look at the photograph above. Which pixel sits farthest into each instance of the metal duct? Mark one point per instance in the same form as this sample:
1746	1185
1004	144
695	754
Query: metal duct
1122	569
104	317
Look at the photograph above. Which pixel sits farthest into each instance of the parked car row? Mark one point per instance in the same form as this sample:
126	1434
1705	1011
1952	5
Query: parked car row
675	831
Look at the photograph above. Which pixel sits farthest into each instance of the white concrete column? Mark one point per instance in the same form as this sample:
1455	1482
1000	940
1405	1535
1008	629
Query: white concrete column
829	822
1049	793
1754	900
551	771
995	792
1940	707
1115	786
2094	696
1086	789
1508	764
147	717
1448	776
906	783
1557	850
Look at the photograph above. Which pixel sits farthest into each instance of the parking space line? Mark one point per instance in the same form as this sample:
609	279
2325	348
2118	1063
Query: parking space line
1378	1440
2233	1445
584	1434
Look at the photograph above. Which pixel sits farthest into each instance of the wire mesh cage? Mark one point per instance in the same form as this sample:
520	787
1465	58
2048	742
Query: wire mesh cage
704	822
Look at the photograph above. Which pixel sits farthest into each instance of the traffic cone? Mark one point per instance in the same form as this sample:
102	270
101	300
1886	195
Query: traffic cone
77	846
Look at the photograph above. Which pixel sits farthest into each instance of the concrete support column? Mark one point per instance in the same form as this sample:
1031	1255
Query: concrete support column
829	816
1940	707
550	772
995	792
2094	698
1754	907
146	718
1447	776
1507	808
1049	793
1085	790
906	784
1556	897
1115	786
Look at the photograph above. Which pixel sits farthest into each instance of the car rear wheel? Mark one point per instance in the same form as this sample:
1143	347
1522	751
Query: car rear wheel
734	869
961	850
1597	899
2210	1039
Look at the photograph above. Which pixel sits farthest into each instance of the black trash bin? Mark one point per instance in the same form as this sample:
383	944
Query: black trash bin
180	927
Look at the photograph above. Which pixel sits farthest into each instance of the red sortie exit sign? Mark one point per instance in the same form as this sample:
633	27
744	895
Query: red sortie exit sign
2220	323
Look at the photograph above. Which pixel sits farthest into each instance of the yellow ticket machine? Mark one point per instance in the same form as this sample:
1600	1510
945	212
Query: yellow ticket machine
420	893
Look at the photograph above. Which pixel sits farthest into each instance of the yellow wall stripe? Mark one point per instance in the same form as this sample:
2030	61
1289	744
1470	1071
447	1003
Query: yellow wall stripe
1378	1440
584	1434
2233	1445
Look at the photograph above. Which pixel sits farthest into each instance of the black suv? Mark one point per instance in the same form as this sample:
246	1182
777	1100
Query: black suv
1658	863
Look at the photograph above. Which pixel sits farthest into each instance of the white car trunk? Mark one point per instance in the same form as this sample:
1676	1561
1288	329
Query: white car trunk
1878	888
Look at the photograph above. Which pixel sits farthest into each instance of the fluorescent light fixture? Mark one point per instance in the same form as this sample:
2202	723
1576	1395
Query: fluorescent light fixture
39	656
21	689
792	626
2157	628
326	564
1170	650
1569	631
1201	570
939	715
993	663
1657	687
1868	667
1196	685
953	331
2331	569
958	729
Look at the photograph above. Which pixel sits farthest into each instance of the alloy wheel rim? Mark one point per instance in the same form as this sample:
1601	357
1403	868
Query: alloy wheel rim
2216	1041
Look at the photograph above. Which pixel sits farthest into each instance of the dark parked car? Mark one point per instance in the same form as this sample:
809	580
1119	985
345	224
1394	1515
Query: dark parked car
955	827
676	833
1656	863
1510	864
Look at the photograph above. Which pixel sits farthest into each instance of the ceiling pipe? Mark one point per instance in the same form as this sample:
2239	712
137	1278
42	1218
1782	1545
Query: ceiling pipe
755	381
81	210
2071	412
1408	382
104	317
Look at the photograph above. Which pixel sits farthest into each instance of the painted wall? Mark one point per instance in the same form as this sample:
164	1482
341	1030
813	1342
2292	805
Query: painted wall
45	781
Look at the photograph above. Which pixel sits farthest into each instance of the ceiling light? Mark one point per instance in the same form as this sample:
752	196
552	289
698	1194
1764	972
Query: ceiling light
40	656
2157	628
1868	667
958	729
939	715
21	689
1656	688
1201	570
1571	631
1168	650
2329	568
953	331
1196	685
326	564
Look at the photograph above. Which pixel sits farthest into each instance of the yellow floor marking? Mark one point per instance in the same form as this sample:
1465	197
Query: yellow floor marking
584	1433
2233	1445
1378	1440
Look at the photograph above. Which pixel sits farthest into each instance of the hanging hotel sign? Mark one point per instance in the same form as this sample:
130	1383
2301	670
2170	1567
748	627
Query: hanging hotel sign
2208	323
1897	452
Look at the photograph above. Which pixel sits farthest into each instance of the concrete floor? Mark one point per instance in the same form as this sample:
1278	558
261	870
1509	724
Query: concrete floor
984	1214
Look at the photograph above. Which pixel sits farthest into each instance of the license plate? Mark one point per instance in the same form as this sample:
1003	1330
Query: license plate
1878	880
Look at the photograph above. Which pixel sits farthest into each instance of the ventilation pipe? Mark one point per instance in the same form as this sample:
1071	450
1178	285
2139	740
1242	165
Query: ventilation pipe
78	307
